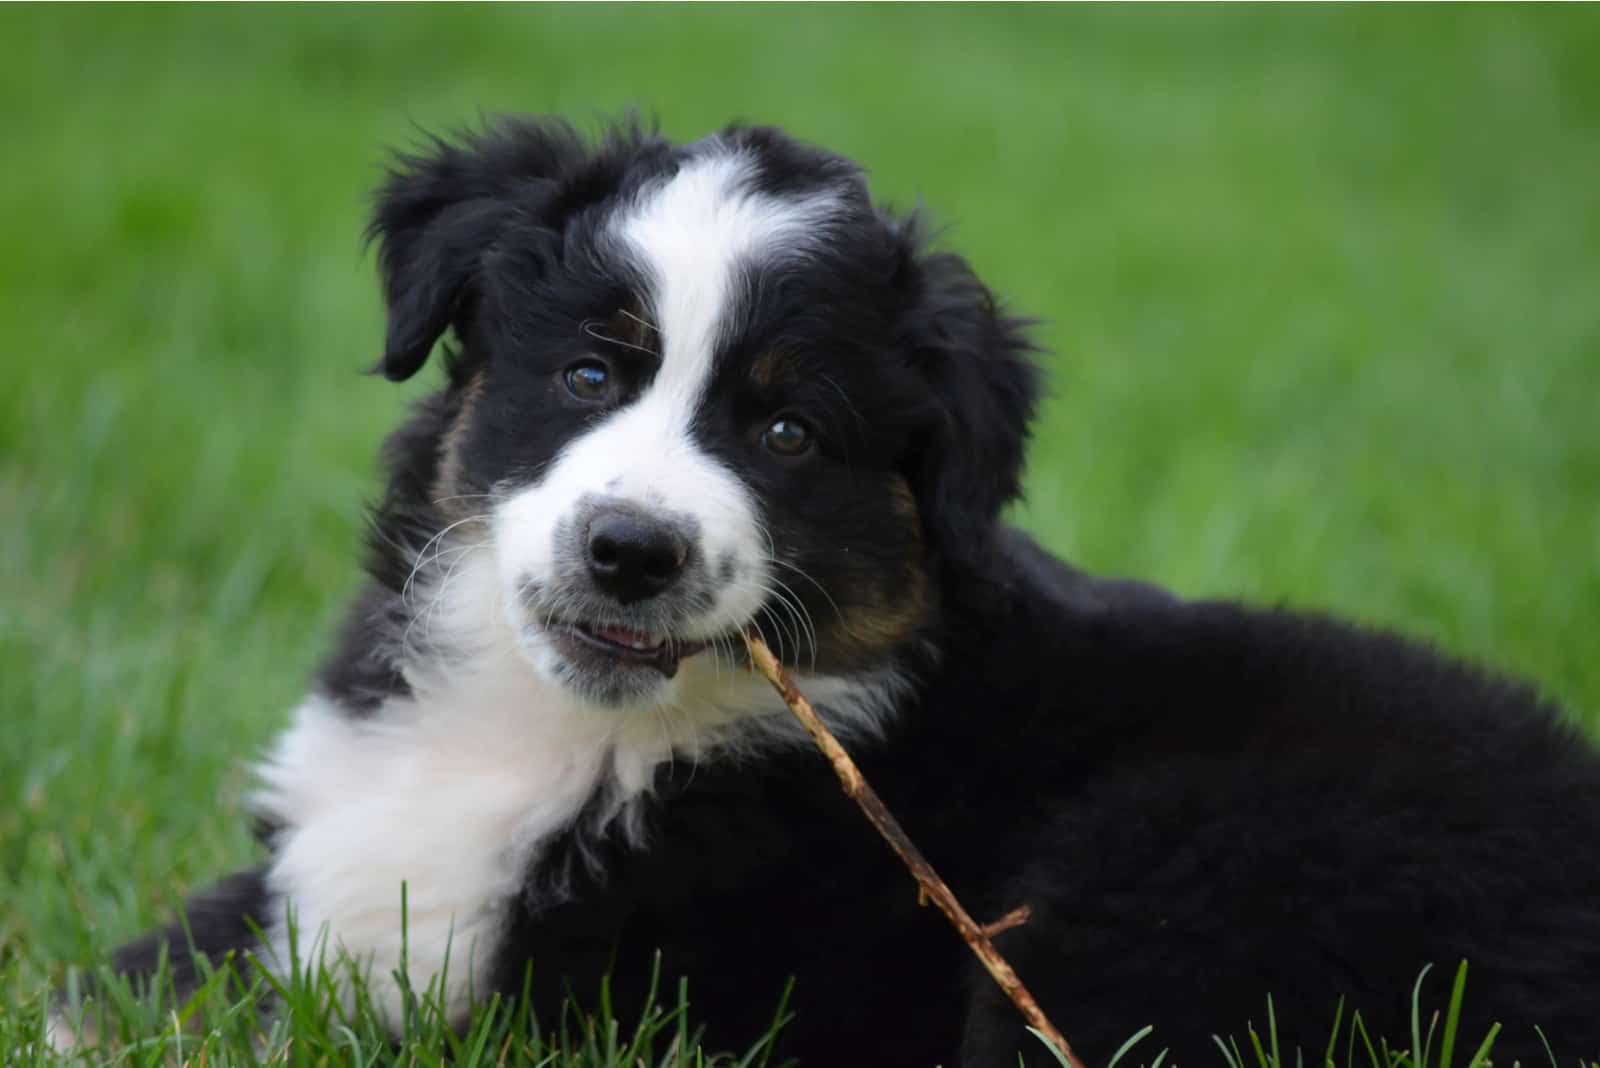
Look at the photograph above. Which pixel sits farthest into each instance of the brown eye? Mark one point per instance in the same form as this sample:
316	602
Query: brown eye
589	381
787	437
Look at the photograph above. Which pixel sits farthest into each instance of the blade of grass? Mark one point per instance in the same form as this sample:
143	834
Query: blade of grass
1419	1048
1333	1036
1480	1059
1230	1058
1447	1042
1122	1050
1272	1032
1255	1043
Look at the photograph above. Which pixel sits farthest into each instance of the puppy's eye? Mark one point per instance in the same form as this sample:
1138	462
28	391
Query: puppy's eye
589	381
787	437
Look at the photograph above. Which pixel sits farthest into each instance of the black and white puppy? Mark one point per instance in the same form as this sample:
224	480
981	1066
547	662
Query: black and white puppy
696	389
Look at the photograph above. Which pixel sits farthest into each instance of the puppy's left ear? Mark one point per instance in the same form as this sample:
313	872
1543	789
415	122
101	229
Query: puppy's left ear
440	212
968	463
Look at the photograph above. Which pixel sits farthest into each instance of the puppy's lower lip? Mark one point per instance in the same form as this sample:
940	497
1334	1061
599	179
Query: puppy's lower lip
622	643
635	640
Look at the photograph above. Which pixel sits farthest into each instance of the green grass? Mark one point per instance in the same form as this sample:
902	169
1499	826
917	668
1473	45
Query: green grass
326	1012
1320	284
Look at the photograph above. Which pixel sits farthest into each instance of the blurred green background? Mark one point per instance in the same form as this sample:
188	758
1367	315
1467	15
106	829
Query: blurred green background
1322	290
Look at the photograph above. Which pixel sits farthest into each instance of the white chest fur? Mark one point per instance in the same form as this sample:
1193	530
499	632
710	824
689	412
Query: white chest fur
451	810
452	791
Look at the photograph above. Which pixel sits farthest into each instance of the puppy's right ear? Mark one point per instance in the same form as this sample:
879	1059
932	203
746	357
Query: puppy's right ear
439	213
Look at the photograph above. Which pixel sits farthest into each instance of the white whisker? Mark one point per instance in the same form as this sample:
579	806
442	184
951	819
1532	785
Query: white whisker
588	327
422	553
647	324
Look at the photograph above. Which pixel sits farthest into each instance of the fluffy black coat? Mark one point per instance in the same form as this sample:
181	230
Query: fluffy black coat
1201	803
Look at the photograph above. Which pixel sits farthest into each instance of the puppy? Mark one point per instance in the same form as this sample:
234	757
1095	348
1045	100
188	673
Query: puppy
699	389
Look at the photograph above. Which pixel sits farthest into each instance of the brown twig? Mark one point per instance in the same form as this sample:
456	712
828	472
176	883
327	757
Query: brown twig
1015	918
931	887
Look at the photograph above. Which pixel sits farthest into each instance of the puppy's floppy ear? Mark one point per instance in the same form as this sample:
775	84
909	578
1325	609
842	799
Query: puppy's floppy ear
967	464
440	211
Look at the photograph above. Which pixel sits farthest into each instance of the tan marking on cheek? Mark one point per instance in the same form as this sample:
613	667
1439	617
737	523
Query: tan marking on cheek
889	607
891	614
904	503
448	487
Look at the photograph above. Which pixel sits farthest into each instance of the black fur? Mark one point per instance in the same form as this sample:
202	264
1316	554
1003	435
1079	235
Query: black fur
1202	803
970	459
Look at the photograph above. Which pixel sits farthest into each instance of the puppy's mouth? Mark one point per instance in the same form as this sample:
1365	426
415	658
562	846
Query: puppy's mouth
625	646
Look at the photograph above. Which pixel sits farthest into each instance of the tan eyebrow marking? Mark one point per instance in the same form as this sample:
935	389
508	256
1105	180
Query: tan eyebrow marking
770	368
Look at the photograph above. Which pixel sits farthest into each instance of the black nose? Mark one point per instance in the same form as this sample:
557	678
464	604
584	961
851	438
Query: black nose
633	556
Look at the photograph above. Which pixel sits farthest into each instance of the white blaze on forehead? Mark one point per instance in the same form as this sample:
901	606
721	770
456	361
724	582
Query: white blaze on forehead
693	232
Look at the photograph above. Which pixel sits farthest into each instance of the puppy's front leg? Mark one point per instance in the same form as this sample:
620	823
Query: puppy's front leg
221	920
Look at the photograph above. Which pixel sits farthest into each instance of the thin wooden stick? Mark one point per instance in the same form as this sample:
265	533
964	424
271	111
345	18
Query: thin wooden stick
1015	918
932	887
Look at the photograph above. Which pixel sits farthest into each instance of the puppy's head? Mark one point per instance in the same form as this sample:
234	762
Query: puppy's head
697	389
